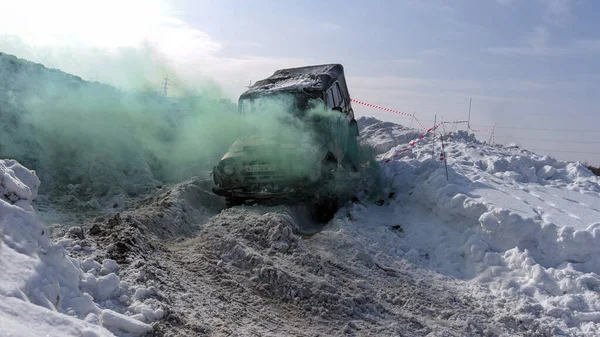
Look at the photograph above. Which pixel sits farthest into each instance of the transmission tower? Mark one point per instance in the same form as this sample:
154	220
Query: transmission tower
165	86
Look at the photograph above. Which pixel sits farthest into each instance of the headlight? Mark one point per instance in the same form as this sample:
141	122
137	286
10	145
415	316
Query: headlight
228	169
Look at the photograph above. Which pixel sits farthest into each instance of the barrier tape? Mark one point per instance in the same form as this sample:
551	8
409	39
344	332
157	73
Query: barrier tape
414	142
421	124
381	108
401	113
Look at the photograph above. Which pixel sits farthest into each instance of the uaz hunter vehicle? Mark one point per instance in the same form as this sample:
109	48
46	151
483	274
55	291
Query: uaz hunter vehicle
263	167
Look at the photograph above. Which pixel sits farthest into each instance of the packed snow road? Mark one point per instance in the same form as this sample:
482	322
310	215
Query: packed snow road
508	246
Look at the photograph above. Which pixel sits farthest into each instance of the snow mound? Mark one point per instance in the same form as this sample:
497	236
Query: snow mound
383	136
522	225
63	296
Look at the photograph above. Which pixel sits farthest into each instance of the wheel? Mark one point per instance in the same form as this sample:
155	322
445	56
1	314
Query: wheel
323	202
351	158
233	201
324	208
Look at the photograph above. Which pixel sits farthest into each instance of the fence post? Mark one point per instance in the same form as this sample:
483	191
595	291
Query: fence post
469	119
445	163
412	119
433	141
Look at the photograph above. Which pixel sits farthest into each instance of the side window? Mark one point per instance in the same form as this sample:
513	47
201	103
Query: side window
337	95
330	100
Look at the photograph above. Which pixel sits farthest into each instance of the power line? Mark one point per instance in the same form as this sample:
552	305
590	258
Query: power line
540	129
579	152
165	86
552	140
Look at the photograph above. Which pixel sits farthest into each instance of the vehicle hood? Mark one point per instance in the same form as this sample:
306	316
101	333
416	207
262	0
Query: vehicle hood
254	146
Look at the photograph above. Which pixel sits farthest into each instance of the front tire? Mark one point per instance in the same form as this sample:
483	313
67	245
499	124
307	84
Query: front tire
324	208
233	201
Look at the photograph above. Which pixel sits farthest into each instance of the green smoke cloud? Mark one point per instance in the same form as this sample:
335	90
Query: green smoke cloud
91	140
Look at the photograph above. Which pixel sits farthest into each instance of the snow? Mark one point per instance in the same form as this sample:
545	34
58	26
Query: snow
20	318
508	244
42	288
510	221
122	322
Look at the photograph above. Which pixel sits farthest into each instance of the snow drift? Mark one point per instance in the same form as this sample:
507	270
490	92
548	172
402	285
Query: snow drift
523	226
42	289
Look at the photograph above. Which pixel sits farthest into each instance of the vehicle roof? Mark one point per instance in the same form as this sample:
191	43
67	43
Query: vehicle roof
317	78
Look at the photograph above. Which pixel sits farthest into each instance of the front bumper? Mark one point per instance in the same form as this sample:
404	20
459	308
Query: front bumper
239	186
250	195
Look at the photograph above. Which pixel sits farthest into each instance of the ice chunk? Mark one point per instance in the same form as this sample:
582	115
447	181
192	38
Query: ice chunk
107	286
110	265
111	318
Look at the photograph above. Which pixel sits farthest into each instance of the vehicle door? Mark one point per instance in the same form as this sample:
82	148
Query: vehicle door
338	126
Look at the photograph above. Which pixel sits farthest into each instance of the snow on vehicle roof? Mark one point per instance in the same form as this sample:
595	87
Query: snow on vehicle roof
317	77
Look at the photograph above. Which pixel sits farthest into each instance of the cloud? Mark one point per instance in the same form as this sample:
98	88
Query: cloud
431	6
525	51
556	11
538	46
435	86
535	43
591	45
407	61
434	52
505	2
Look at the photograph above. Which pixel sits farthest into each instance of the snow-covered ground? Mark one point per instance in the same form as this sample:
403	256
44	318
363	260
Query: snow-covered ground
520	228
46	291
508	245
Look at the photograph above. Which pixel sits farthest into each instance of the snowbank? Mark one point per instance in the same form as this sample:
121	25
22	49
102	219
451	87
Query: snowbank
42	288
382	136
520	224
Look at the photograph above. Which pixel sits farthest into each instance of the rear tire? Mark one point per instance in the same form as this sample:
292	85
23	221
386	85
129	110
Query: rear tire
233	201
352	154
324	202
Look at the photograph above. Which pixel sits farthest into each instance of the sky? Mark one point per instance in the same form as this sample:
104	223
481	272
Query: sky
532	67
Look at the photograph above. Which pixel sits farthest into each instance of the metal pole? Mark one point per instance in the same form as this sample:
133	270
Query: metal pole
492	135
433	142
445	163
469	120
412	119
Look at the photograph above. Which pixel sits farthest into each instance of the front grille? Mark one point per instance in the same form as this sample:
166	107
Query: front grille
264	177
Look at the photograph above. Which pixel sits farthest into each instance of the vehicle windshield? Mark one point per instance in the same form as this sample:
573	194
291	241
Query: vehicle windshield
294	102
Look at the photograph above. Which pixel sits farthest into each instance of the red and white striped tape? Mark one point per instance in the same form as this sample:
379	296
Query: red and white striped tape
413	142
401	113
381	108
421	124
